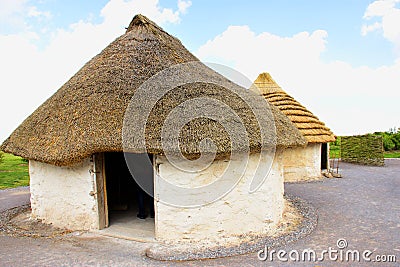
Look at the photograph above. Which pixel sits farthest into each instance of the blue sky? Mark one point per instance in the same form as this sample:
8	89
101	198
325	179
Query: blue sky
342	20
340	58
207	18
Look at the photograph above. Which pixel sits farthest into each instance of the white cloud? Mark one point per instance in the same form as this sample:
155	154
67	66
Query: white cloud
379	8
34	12
10	7
117	12
29	75
183	6
14	12
350	100
365	29
389	16
251	51
11	13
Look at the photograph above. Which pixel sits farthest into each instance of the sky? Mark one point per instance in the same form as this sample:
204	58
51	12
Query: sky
339	58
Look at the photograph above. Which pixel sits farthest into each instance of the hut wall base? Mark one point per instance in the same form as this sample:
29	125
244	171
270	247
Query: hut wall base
302	163
227	220
64	196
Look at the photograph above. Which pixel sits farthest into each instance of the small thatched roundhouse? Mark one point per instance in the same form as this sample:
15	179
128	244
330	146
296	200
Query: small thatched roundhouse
303	163
74	143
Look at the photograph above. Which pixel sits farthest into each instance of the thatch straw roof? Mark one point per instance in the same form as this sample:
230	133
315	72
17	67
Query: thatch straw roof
309	125
85	116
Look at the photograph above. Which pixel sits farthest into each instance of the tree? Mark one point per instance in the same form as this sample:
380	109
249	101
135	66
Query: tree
388	143
396	140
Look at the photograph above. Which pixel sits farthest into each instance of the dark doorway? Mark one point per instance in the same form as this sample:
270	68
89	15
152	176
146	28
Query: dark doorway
324	156
123	193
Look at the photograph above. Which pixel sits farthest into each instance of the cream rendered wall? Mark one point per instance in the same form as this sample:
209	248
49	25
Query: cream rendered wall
224	221
64	196
302	163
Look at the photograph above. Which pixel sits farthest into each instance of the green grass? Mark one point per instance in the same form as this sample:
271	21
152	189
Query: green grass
392	154
13	172
334	151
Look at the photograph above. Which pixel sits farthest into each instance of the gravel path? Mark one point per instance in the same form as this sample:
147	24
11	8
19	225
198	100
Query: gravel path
363	208
15	197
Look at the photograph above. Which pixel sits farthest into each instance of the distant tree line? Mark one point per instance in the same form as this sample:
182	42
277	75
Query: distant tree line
391	139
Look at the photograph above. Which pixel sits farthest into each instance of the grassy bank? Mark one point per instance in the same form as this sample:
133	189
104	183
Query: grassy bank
13	172
392	154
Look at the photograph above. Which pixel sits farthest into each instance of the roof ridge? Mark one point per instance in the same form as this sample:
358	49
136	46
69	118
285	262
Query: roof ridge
141	20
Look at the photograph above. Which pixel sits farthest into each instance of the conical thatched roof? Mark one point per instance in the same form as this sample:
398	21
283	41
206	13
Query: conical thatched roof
86	114
309	125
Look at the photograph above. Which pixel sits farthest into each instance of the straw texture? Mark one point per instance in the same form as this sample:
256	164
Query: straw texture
85	116
309	125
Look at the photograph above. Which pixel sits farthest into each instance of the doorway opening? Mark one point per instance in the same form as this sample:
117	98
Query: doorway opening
129	210
324	156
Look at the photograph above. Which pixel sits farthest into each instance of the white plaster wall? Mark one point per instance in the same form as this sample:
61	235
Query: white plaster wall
63	196
302	163
238	214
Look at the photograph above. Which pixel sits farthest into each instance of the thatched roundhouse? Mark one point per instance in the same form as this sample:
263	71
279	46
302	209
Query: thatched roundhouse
74	143
302	163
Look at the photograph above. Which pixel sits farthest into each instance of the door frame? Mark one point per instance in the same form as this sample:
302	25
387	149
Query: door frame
101	189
